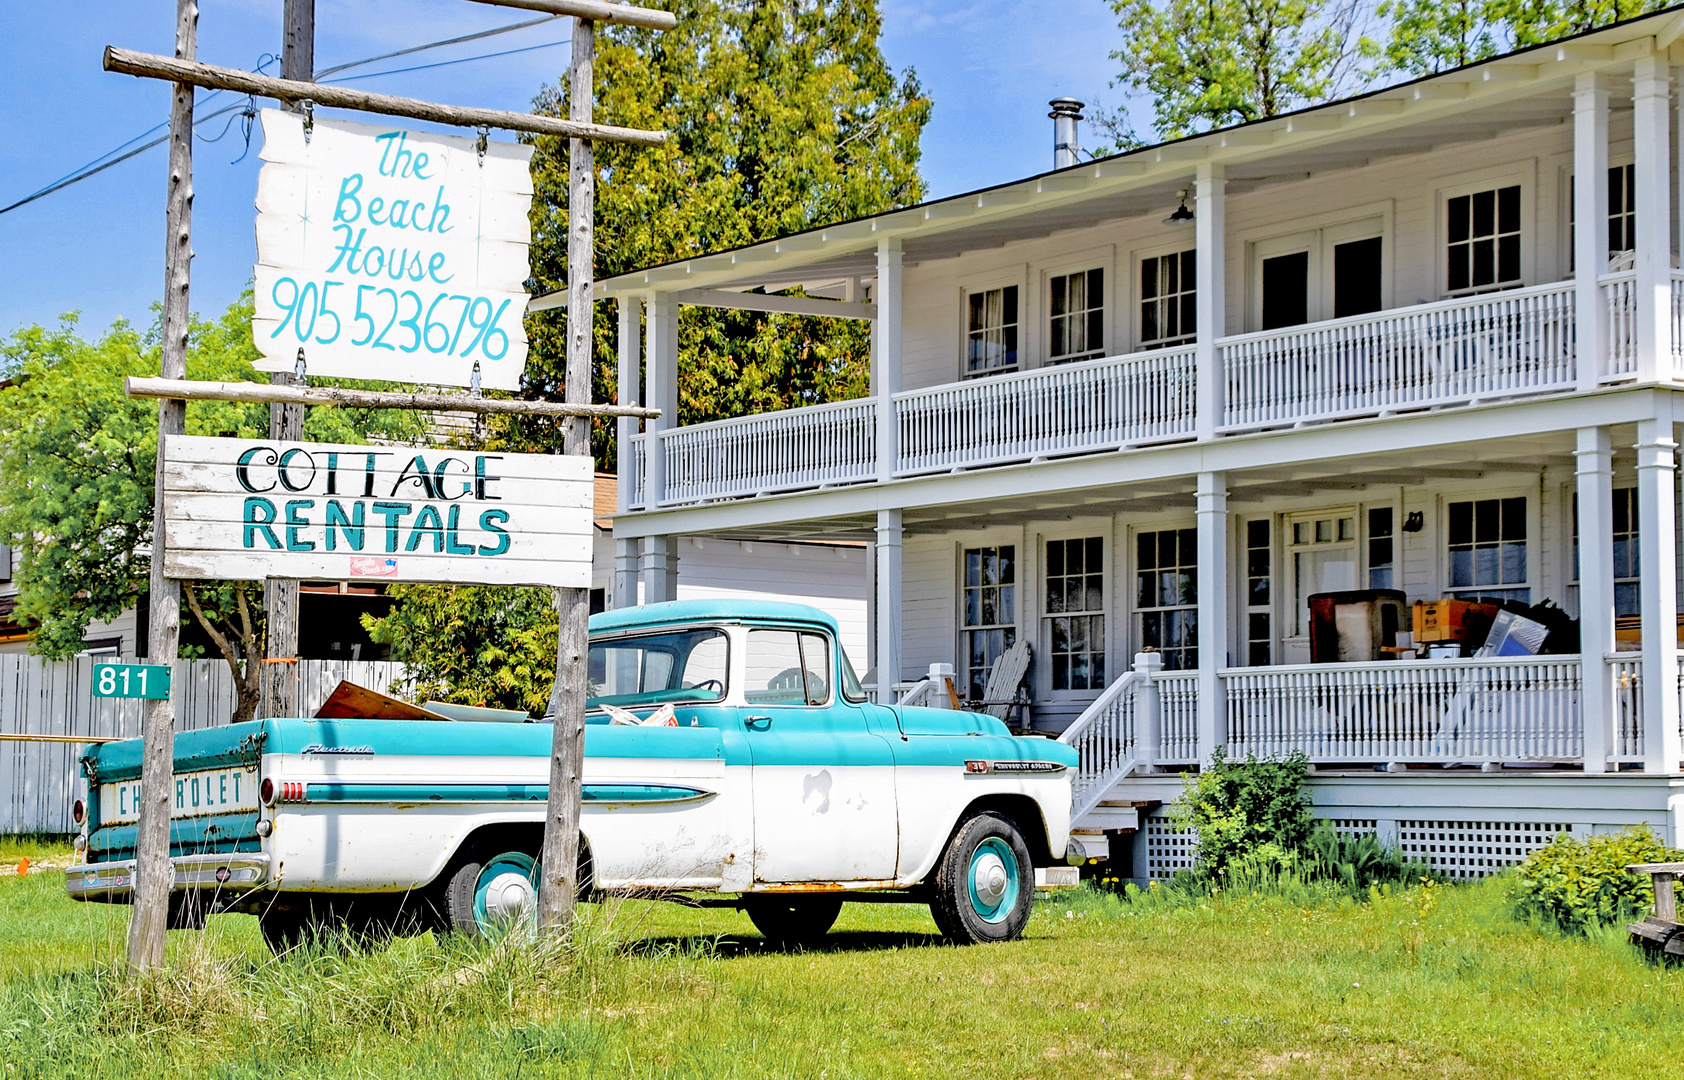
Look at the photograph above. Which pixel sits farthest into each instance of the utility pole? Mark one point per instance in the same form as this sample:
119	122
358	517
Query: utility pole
559	859
278	680
154	873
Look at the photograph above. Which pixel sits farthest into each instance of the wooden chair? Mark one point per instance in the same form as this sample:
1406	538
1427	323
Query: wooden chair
1006	691
1661	931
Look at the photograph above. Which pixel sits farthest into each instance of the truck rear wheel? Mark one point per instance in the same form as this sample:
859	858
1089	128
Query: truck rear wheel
793	920
489	898
984	884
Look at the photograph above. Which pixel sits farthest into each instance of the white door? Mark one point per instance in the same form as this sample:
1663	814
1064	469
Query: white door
1326	273
1321	556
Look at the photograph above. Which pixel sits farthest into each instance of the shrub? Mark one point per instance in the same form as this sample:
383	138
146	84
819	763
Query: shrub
1358	862
1577	884
1252	811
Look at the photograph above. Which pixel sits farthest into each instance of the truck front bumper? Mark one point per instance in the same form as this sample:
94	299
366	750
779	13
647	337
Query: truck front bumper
113	882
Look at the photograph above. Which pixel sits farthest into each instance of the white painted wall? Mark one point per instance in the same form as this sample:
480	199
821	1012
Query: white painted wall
1406	192
832	577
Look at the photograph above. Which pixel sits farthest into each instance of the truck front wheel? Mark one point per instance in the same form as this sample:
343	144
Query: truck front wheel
984	886
793	920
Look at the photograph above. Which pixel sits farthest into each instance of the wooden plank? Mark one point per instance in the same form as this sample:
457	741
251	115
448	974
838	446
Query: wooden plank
597	11
192	73
348	701
186	390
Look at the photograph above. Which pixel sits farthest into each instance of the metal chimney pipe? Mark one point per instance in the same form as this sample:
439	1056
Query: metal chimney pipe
1066	115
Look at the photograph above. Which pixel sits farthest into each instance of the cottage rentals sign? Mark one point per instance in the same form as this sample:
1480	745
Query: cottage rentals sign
391	254
251	509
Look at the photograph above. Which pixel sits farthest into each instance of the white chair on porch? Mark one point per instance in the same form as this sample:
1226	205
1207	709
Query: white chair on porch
1007	688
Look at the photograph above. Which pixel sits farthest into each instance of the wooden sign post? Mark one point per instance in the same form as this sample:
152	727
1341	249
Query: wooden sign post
154	870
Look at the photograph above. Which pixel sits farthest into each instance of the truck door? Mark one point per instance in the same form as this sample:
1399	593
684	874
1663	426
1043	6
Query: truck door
824	785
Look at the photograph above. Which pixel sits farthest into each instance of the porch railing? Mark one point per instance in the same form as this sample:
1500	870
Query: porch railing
1625	682
1677	323
1619	301
1072	408
639	470
1105	736
1514	342
1524	709
810	447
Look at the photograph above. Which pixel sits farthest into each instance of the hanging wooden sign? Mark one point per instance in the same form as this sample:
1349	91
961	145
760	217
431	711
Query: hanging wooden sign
246	509
391	254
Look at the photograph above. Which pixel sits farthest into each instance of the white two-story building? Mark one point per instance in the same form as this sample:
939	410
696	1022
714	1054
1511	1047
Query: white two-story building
1428	339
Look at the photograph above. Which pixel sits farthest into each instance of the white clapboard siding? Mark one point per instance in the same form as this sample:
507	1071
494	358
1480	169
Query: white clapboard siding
39	781
542	506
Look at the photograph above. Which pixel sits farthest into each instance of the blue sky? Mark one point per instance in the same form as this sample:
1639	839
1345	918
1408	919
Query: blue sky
97	247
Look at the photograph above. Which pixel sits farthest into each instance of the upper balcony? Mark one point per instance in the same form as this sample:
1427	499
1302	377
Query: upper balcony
1492	346
1457	195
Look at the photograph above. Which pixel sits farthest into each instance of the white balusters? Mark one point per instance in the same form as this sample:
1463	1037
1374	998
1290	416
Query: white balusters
639	470
1620	302
1513	342
1178	697
1104	736
1625	672
1072	408
797	448
1508	709
1677	325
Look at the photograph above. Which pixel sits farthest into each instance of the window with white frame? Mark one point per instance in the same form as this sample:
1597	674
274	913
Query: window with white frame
1483	239
989	588
1259	564
1625	540
1168	300
1382	548
1486	545
1076	316
1622	208
1075	613
1167	595
991	331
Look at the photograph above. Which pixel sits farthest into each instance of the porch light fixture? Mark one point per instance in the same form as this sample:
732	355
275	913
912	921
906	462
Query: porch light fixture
1182	215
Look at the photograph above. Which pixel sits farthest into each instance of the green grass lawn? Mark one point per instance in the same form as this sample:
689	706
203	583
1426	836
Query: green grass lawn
1435	981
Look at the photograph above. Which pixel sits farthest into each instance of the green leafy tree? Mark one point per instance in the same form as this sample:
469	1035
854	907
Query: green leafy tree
474	644
783	116
1428	36
77	462
1211	63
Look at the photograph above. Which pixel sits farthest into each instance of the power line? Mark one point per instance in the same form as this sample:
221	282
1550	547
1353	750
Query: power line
100	164
447	63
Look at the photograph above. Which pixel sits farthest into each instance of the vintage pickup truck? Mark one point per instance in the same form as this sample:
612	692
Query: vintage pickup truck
774	779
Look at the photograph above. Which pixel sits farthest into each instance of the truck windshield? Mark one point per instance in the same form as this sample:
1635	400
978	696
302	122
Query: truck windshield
653	669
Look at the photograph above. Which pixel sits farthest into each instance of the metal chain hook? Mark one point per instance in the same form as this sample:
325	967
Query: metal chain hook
298	368
309	118
484	137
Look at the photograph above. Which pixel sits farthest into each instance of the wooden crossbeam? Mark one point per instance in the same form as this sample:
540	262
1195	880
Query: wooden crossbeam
266	393
148	66
596	11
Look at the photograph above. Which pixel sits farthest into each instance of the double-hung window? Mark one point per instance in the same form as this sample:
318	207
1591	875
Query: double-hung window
1168	301
1483	239
1167	595
989	586
1076	312
1076	613
1487	549
991	331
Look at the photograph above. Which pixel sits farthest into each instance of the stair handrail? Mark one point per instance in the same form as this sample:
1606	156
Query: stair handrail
1094	778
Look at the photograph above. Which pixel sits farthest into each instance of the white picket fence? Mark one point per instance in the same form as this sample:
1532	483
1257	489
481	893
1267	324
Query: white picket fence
38	781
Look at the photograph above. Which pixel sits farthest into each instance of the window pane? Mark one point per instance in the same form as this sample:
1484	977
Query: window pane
1457	215
1461	523
1508	209
1486	522
1514	519
1508	258
1484	206
773	673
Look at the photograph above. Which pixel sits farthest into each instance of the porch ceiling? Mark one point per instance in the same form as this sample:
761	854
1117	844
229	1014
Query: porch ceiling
1523	90
1344	479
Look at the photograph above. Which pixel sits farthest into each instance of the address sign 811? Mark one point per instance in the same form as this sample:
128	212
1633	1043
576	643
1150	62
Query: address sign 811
248	509
391	254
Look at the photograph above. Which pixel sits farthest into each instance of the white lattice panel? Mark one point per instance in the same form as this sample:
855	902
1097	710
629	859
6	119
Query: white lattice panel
1168	849
1474	849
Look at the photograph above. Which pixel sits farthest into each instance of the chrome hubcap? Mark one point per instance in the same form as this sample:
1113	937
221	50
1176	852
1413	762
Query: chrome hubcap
989	879
508	896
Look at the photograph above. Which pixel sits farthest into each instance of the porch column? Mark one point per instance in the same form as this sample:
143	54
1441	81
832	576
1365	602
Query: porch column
631	392
885	354
625	572
1211	303
1595	477
1651	96
887	604
1657	554
1212	498
660	569
1590	239
663	394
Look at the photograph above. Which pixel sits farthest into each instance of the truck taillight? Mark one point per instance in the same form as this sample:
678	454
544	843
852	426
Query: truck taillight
78	812
266	791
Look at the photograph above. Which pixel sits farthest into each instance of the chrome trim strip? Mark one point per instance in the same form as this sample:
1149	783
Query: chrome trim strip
114	881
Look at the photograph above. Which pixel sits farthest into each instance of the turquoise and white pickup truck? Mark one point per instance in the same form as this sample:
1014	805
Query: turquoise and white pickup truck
771	777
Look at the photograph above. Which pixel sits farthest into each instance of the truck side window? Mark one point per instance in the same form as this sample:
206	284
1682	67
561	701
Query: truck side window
779	674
